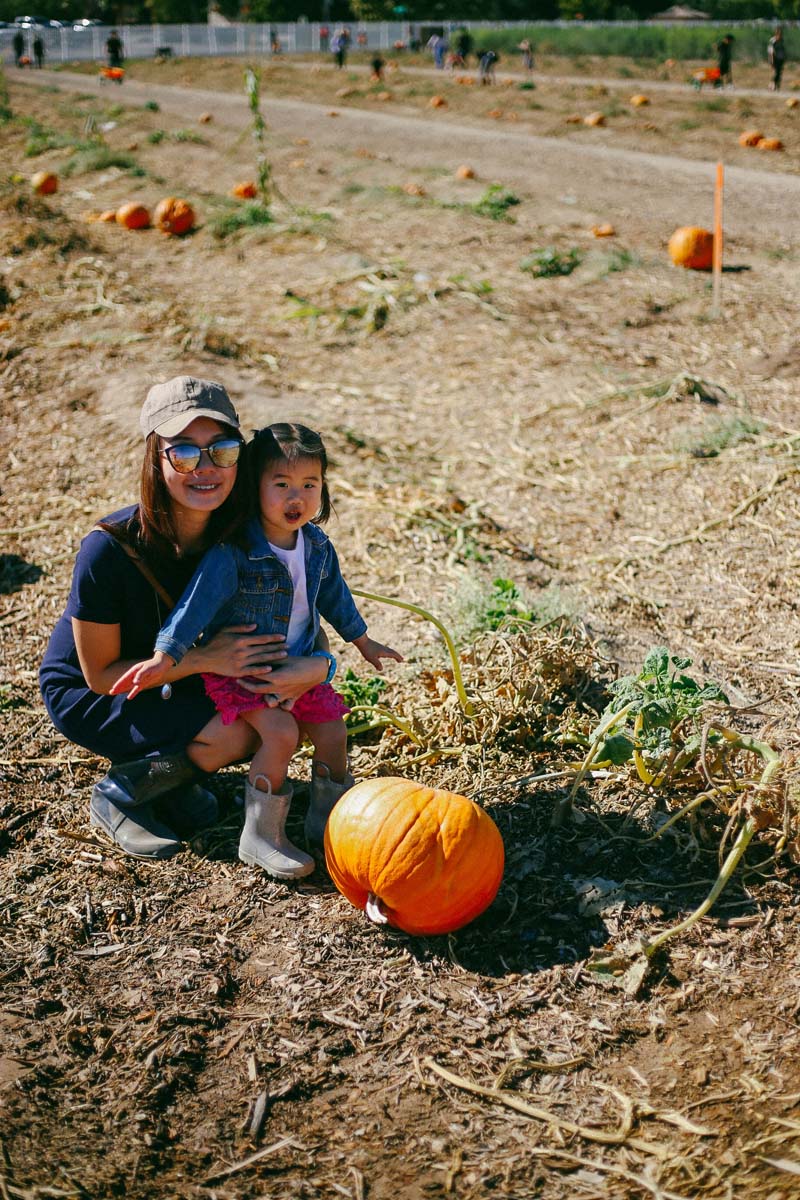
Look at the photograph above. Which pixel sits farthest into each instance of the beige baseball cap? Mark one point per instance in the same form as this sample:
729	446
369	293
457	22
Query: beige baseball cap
169	407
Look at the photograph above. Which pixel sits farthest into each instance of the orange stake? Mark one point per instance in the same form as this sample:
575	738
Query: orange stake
716	263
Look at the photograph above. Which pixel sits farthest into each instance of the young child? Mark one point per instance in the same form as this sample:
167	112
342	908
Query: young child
284	576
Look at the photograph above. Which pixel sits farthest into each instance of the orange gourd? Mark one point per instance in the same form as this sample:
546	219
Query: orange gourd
769	144
792	102
44	183
174	216
750	137
423	860
246	190
594	119
601	231
465	172
437	102
639	101
692	247
133	216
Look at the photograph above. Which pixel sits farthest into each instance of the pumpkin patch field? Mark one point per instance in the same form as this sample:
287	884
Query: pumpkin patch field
566	485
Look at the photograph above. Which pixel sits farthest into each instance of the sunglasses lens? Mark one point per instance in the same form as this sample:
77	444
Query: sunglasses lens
184	458
225	454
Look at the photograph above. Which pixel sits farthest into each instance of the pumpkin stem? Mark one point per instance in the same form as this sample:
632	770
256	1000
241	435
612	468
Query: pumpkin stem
374	910
458	679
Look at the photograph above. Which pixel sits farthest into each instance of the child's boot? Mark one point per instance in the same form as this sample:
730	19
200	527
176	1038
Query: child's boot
264	842
324	794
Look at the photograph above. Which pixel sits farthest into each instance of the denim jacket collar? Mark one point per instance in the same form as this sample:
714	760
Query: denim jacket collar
259	547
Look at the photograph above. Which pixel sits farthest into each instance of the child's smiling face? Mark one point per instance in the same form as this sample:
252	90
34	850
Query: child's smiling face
289	496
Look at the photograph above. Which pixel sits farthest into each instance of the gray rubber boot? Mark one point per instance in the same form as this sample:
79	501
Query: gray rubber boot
137	830
188	810
133	783
264	842
324	794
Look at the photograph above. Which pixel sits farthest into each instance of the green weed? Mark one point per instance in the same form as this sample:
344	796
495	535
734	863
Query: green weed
99	157
527	86
188	135
495	203
723	435
41	139
619	259
156	137
152	106
720	105
543	264
246	216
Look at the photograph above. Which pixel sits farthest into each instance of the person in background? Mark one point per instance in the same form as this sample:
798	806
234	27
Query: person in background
324	35
724	50
526	50
776	57
38	51
463	45
18	42
486	66
129	570
114	49
377	64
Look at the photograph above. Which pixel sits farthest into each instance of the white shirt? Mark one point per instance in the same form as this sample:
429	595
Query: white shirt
295	562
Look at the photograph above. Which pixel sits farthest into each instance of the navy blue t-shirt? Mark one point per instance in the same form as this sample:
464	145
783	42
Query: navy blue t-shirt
109	589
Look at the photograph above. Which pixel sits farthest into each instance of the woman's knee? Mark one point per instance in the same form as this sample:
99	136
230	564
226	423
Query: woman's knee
219	745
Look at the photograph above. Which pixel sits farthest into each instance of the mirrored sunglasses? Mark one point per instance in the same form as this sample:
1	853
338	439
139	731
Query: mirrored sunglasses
185	457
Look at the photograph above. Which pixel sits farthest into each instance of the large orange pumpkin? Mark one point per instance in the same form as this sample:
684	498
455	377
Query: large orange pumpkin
174	216
133	216
692	247
44	183
426	861
750	137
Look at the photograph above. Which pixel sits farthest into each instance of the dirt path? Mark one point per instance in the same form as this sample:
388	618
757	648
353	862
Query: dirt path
561	176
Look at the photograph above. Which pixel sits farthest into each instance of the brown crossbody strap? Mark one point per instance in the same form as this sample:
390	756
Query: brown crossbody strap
142	566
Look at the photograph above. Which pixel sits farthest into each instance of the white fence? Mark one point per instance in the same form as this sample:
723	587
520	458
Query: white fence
144	41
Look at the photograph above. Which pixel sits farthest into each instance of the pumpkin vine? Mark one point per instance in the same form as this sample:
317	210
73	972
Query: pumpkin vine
252	86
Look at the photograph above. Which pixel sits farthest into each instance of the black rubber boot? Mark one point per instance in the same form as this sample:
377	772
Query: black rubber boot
137	831
188	810
145	779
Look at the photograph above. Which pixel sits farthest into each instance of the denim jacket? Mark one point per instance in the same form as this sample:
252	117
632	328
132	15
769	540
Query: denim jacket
239	587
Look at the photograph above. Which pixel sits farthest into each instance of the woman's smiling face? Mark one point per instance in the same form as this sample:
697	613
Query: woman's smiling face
206	487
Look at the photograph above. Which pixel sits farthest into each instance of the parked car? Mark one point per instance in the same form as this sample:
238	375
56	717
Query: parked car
36	23
85	23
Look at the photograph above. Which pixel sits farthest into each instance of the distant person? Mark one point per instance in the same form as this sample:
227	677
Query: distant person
18	43
361	38
776	57
38	51
462	44
377	65
340	43
486	66
724	50
274	42
114	49
526	50
324	37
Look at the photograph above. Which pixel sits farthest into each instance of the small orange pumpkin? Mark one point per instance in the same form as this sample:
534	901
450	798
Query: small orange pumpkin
692	247
437	102
246	190
639	101
594	119
108	216
205	118
573	119
465	172
792	102
414	189
174	216
750	137
44	183
423	860
603	230
133	216
769	144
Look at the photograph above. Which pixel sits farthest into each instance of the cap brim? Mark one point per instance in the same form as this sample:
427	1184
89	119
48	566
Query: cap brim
175	425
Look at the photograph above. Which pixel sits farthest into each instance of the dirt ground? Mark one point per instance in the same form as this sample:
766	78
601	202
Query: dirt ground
603	439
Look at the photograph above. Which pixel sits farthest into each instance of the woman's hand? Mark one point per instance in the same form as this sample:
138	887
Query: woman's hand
237	651
289	680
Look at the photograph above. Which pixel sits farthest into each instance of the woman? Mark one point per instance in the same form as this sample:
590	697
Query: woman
128	572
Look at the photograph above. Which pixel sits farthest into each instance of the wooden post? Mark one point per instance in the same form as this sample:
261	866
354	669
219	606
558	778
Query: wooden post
716	264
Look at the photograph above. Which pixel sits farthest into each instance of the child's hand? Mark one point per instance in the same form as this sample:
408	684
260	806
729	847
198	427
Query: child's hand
374	652
144	675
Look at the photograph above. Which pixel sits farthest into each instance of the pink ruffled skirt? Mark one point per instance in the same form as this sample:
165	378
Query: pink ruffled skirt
316	706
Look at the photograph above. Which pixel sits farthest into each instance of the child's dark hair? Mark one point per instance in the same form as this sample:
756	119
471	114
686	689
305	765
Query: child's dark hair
287	442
